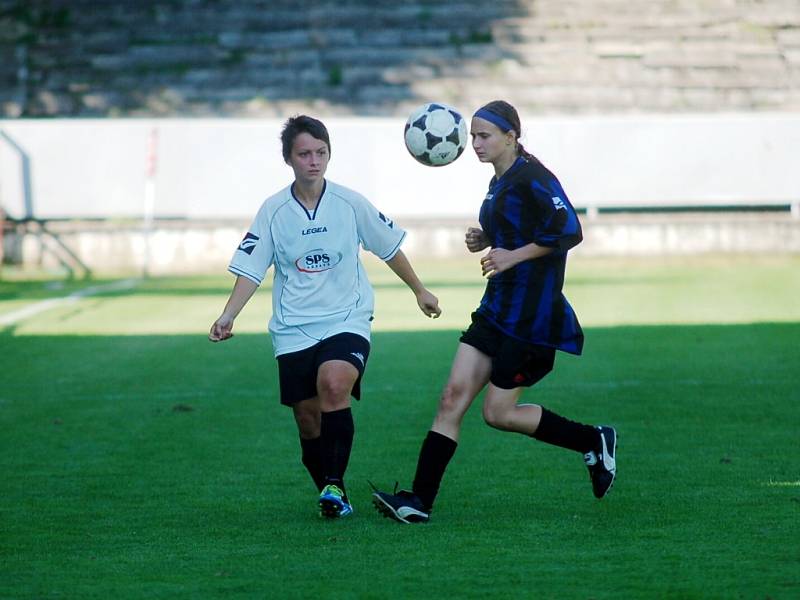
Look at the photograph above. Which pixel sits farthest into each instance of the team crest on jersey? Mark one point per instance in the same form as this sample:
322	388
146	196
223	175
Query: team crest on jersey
248	243
388	222
318	260
558	203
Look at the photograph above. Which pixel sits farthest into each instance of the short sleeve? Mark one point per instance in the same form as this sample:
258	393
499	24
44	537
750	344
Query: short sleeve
377	232
256	251
558	225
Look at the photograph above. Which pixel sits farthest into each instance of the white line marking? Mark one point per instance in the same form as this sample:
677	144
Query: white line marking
38	307
771	483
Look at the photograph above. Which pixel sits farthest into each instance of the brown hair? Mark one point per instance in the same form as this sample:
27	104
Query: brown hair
505	111
296	125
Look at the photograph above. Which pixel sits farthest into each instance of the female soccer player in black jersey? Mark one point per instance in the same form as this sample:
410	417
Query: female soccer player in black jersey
523	318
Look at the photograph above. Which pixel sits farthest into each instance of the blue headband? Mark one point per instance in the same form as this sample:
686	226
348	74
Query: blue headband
486	115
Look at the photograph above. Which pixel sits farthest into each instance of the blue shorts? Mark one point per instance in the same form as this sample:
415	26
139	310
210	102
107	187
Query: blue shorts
297	371
514	363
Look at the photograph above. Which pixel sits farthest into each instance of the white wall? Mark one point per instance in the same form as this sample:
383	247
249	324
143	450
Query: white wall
225	168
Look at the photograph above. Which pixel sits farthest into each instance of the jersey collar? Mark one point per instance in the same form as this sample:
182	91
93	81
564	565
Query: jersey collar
510	171
311	215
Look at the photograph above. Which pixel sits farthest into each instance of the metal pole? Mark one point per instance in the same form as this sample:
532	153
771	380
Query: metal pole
151	166
25	163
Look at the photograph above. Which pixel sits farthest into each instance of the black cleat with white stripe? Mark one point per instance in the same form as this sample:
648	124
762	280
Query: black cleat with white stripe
602	461
402	506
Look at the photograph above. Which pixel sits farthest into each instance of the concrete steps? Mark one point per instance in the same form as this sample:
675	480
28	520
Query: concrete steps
225	57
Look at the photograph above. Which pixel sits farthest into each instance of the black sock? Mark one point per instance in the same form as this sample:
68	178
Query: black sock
558	431
336	437
312	459
436	452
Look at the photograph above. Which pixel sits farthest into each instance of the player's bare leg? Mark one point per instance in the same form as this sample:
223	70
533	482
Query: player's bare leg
597	444
335	381
468	375
307	416
501	411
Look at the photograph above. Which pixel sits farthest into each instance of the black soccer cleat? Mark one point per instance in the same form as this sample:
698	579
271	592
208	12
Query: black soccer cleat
601	461
402	506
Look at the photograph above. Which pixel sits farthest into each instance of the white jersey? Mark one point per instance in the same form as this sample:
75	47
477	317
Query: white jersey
320	286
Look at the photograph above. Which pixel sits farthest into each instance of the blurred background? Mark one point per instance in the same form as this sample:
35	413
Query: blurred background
142	136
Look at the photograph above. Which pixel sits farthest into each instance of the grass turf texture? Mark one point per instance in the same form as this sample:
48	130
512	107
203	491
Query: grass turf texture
139	460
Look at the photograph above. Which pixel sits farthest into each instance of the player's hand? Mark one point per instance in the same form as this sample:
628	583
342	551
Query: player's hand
221	330
476	239
496	261
429	304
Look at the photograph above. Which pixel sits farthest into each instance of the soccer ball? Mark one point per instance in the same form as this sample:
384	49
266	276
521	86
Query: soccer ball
436	134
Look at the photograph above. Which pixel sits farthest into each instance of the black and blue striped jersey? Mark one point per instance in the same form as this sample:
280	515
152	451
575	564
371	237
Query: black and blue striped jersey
528	205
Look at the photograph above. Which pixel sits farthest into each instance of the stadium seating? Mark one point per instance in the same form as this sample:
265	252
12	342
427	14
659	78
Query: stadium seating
85	58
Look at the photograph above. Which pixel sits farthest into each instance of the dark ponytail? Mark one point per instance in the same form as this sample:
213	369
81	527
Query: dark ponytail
505	111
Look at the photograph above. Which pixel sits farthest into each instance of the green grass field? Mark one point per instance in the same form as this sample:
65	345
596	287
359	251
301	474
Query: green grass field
140	461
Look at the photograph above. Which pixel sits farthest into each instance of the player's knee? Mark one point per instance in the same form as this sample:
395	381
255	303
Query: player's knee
308	423
495	416
308	429
450	399
334	391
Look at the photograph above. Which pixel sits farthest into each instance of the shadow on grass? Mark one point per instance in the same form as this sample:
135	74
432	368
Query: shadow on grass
624	369
142	450
706	352
221	286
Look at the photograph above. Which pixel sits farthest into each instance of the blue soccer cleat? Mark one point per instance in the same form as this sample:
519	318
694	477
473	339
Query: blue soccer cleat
332	503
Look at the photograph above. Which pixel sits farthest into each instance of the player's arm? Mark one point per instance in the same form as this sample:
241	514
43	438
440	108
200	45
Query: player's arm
243	290
427	302
559	226
498	260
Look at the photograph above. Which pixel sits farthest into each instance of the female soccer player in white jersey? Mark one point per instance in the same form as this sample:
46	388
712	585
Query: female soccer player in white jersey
322	302
523	318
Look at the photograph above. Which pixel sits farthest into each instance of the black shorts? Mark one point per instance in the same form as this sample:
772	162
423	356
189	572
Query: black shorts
297	371
514	363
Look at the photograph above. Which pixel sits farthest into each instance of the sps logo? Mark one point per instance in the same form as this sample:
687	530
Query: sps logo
318	260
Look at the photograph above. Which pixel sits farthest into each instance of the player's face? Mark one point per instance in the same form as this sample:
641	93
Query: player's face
309	158
489	142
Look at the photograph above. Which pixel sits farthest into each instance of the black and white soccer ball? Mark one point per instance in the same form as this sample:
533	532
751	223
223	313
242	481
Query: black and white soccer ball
436	134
